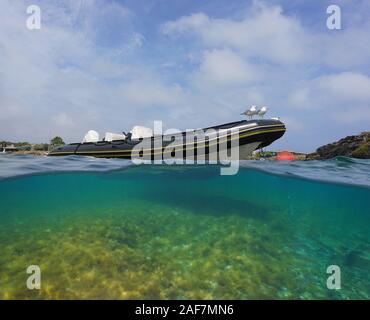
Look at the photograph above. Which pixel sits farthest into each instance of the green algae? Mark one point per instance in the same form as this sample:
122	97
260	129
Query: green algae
164	235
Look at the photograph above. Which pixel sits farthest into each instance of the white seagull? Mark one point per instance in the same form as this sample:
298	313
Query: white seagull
250	112
262	111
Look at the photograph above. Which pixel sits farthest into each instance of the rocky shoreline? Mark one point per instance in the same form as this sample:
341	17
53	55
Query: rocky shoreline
32	152
356	146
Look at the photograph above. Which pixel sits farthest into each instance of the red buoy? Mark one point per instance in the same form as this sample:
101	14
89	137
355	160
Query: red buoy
285	156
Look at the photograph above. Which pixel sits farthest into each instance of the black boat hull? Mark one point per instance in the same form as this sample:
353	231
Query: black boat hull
249	136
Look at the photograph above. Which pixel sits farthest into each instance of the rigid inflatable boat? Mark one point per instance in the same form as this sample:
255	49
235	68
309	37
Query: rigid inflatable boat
245	135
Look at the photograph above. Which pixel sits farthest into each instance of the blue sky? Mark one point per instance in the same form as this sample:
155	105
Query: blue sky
109	65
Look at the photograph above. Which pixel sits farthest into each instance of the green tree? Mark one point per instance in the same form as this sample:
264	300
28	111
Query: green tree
362	152
57	141
26	146
4	143
41	147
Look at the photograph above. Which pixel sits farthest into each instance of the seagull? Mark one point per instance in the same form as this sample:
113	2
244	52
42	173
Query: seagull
262	111
250	112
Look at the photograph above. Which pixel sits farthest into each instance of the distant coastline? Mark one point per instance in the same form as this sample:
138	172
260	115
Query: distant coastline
24	147
355	146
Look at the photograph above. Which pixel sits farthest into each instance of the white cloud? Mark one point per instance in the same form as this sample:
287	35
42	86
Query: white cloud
353	116
63	121
348	86
338	90
299	98
265	33
149	92
225	67
186	23
68	75
340	98
293	123
347	49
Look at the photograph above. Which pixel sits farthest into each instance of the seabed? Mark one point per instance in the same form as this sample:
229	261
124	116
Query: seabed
182	234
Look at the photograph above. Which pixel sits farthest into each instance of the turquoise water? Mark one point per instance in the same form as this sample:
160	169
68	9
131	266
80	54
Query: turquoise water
105	229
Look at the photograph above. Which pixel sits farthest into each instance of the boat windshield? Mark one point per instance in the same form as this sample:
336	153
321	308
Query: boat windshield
227	125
